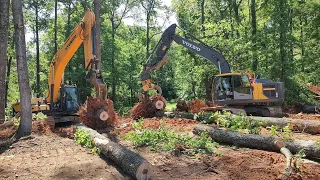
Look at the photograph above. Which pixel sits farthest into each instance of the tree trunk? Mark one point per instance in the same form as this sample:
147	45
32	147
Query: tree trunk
113	67
98	41
55	25
37	49
307	126
129	161
255	141
254	35
282	39
202	18
25	126
8	80
148	36
4	27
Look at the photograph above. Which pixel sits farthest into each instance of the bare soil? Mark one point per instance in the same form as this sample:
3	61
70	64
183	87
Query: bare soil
52	156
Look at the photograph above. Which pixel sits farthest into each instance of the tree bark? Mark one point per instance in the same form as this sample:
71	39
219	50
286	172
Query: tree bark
98	40
4	27
25	126
255	141
307	126
55	25
254	35
37	48
131	162
114	84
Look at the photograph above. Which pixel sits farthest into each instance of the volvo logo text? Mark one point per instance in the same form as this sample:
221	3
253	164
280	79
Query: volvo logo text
191	45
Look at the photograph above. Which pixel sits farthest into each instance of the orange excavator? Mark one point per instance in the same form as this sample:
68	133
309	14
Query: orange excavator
238	92
62	101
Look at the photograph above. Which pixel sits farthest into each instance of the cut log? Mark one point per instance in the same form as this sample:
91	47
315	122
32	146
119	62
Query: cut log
297	125
131	162
263	142
102	115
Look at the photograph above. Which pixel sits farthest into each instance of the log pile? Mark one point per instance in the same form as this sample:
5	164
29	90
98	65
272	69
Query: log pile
149	107
131	162
196	105
7	130
254	141
297	125
98	113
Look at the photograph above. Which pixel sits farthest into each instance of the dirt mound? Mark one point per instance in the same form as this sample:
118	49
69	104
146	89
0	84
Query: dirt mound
315	89
7	130
182	106
196	105
147	108
41	127
87	113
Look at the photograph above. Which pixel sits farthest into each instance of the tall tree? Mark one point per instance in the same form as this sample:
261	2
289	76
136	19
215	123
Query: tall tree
4	26
254	35
37	47
115	17
55	25
25	126
98	41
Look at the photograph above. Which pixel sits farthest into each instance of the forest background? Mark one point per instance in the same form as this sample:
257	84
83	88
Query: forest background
279	39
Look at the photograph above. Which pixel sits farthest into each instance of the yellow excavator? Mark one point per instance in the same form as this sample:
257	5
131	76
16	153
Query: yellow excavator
238	92
62	101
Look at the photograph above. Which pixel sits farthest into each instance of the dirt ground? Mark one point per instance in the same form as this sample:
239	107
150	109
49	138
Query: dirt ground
53	156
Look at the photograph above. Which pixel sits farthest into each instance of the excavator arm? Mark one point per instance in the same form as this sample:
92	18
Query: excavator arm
159	57
84	33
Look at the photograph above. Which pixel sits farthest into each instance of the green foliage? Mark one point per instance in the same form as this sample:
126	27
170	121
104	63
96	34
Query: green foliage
38	116
284	132
298	158
239	122
171	105
82	137
166	140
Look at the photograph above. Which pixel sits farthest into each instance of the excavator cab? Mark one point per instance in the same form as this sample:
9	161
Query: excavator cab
69	101
232	87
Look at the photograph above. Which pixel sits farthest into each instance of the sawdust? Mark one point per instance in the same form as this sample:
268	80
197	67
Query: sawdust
147	108
88	110
315	89
196	105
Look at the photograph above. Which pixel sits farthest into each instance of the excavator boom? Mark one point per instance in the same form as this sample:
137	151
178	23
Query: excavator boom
82	33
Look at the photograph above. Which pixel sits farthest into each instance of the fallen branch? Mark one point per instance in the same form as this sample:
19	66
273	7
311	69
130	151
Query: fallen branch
131	162
263	142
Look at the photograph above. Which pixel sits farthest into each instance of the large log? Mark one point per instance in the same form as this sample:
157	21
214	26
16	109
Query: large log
131	162
254	141
299	125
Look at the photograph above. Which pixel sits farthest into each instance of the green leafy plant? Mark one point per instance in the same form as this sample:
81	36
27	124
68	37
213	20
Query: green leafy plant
239	122
298	158
82	137
164	139
284	132
38	116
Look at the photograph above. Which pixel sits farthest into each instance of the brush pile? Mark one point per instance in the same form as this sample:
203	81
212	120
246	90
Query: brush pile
149	107
88	113
196	105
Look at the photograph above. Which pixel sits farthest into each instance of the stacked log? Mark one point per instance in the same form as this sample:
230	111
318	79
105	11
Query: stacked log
196	105
254	141
297	125
148	108
98	113
131	162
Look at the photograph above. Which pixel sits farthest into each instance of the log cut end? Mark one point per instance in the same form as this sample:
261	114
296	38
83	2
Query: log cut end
144	171
98	113
148	108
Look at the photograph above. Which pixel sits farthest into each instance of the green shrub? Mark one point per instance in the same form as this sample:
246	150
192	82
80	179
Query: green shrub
82	137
